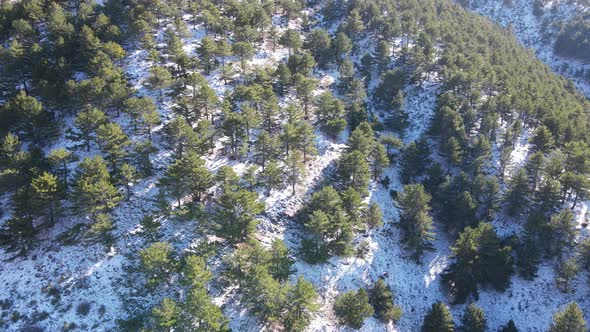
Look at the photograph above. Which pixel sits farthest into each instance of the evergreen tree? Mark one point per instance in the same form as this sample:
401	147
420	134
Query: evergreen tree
100	229
113	142
474	319
234	214
272	176
570	319
195	271
374	215
295	169
156	261
128	175
353	170
46	193
414	204
414	160
381	298
542	139
438	319
280	263
203	314
166	314
93	192
86	123
59	159
291	40
567	271
303	304
517	193
159	79
353	307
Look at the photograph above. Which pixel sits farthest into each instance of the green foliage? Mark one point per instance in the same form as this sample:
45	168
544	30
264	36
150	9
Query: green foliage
480	257
93	192
381	298
415	221
353	307
570	319
438	319
474	319
156	261
234	214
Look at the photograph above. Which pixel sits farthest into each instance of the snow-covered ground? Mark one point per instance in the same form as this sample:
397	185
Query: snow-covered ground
538	33
51	282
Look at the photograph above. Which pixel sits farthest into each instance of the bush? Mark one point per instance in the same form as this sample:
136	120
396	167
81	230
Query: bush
83	308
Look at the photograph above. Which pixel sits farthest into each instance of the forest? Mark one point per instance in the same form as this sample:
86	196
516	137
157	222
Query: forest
288	165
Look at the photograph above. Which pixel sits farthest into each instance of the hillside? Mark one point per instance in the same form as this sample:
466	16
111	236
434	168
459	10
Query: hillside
298	166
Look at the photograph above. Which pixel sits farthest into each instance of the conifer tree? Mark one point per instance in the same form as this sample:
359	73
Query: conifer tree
353	170
474	319
100	229
113	142
570	319
509	327
156	261
203	314
517	193
295	169
93	192
438	319
86	124
353	307
280	263
414	204
195	271
166	314
159	79
46	192
272	176
234	214
381	298
303	304
567	271
128	175
59	159
374	215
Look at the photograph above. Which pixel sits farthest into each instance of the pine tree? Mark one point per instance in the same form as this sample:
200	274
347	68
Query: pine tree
156	261
142	151
292	40
244	51
203	314
86	123
195	271
542	139
113	142
206	52
142	112
266	148
570	319
166	314
46	192
128	175
272	176
280	264
517	193
93	192
474	319
100	229
195	174
303	304
414	160
59	159
295	169
438	319
381	298
234	214
534	167
374	215
159	79
414	204
353	307
567	271
561	231
353	170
